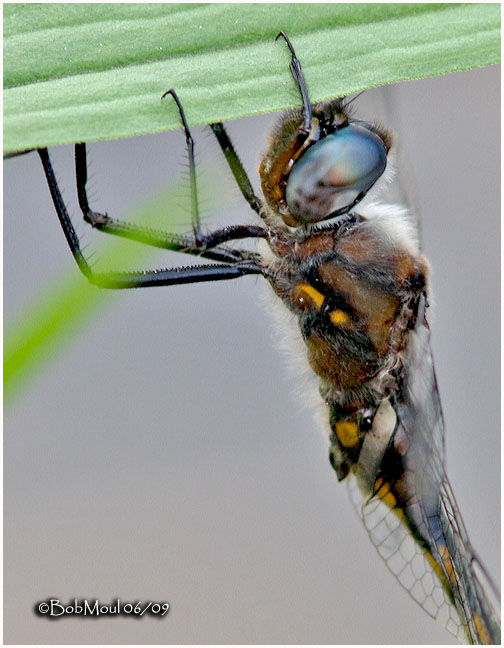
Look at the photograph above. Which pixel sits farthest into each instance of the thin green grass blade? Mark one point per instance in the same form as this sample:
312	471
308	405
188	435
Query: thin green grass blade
38	335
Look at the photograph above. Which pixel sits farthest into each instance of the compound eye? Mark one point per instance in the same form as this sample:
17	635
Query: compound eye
333	172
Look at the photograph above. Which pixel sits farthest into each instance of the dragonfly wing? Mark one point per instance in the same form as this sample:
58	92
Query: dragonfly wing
406	560
409	509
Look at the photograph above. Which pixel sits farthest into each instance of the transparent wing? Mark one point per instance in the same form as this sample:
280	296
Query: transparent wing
411	514
407	560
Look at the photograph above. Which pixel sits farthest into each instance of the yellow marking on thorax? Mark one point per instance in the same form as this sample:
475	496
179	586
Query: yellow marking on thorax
311	292
347	433
338	317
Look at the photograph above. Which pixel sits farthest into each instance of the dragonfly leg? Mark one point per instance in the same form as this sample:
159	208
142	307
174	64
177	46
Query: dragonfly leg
201	242
162	277
234	162
297	73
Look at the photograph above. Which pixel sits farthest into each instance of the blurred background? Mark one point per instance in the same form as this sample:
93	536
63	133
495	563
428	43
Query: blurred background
161	454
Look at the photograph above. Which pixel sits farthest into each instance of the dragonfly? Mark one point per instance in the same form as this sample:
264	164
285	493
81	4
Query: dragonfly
353	280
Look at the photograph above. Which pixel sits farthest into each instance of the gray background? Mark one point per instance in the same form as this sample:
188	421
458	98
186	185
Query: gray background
162	454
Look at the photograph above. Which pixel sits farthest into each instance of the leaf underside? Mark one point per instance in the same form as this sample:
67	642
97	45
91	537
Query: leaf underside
85	72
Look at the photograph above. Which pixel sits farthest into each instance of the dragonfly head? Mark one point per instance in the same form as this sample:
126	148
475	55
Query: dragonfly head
311	177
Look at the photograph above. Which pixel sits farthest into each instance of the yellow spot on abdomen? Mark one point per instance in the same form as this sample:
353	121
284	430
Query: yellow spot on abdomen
383	492
445	571
347	433
483	634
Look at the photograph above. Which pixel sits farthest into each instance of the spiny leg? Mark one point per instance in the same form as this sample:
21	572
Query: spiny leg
234	162
202	245
159	238
192	169
64	218
297	73
163	277
226	234
101	220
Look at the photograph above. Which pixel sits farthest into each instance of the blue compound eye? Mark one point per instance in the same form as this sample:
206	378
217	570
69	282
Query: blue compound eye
333	172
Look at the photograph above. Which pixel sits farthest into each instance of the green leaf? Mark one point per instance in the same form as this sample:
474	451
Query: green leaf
83	72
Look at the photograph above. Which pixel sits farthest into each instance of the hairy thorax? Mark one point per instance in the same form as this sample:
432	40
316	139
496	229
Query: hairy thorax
351	288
